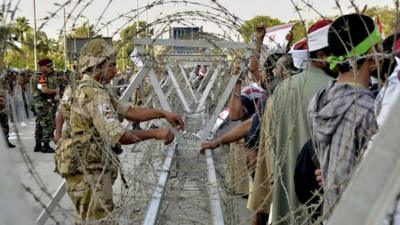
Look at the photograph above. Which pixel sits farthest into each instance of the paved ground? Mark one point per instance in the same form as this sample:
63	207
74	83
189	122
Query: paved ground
186	198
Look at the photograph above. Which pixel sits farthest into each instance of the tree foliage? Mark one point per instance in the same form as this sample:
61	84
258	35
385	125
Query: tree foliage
248	28
125	45
19	44
86	30
386	16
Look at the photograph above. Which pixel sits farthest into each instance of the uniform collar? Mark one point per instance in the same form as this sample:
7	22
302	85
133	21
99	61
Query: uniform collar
88	78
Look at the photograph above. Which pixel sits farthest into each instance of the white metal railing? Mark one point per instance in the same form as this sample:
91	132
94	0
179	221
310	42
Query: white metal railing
155	203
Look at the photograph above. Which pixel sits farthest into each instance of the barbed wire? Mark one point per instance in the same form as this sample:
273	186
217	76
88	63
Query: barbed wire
142	176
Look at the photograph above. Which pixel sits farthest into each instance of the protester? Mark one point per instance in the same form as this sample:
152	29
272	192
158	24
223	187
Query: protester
390	72
386	99
341	115
284	131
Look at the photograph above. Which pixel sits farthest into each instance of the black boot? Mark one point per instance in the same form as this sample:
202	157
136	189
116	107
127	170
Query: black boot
9	144
46	148
38	146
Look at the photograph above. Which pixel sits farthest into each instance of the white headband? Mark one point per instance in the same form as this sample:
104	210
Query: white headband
318	39
299	58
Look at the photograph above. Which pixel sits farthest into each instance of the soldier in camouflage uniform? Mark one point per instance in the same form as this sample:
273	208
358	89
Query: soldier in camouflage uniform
45	92
86	156
3	112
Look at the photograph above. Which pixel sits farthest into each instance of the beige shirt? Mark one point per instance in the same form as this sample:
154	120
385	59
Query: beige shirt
96	108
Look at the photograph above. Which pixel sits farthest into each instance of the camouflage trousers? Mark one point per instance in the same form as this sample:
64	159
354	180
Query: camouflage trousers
4	122
91	195
45	121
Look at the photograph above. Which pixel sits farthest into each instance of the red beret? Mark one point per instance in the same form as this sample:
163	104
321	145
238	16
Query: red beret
319	24
44	62
300	45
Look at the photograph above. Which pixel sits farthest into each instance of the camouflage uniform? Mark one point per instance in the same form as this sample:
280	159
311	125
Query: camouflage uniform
86	159
44	105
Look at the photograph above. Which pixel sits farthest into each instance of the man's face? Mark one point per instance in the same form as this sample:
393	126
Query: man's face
281	71
377	61
46	69
109	70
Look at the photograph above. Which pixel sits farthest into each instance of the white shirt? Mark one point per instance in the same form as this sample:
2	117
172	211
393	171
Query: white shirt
388	95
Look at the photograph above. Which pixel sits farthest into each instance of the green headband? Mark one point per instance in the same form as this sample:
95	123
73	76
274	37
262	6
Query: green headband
363	47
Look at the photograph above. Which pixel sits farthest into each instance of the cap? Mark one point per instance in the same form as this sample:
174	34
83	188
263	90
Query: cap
318	35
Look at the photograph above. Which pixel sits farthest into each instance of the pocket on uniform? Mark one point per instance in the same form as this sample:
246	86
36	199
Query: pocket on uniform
92	156
66	160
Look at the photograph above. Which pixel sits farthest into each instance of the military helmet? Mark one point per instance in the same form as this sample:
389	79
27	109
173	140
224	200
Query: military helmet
94	53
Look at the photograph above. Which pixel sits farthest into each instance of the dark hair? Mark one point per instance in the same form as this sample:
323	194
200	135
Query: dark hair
289	65
347	32
388	64
314	54
270	62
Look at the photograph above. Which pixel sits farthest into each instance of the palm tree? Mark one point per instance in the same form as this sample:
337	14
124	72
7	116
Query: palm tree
19	29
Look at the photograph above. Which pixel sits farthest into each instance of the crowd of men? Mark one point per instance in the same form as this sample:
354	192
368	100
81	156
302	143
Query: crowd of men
308	116
306	120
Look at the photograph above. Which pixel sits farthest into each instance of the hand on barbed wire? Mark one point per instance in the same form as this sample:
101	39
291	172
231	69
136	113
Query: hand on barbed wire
166	135
175	120
235	69
208	145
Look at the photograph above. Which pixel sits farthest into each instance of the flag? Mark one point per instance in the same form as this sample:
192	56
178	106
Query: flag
135	57
275	38
380	26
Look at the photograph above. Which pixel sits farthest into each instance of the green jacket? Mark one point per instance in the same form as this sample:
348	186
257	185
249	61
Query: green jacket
290	131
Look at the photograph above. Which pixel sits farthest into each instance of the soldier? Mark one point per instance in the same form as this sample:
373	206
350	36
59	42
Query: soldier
3	114
45	92
87	158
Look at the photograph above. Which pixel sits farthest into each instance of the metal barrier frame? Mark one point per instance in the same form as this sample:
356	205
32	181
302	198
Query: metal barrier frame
155	203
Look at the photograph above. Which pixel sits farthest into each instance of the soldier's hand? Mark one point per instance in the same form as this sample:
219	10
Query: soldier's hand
175	120
166	135
208	145
57	139
2	100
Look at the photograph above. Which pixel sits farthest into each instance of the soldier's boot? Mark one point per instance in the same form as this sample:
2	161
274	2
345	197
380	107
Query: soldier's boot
9	144
46	148
38	146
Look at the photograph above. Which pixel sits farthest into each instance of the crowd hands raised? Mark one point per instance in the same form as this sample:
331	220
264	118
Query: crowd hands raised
307	114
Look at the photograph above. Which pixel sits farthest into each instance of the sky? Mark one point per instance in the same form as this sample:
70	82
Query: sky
244	9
